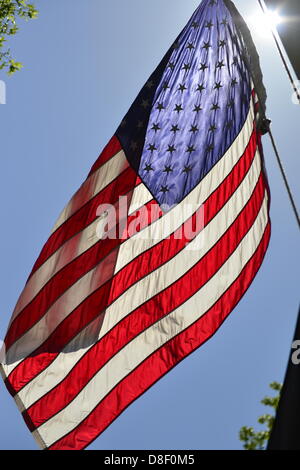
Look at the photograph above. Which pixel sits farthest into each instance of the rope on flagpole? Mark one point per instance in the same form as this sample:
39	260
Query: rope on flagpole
285	64
288	188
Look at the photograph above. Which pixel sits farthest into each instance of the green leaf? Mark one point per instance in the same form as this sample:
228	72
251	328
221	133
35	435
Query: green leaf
258	440
10	12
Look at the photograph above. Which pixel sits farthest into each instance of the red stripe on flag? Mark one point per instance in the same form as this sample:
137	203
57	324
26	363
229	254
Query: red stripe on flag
147	314
162	360
112	148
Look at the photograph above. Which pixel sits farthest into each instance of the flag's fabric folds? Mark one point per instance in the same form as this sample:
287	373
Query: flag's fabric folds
154	250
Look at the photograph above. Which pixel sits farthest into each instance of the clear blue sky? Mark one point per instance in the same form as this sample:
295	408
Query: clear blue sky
84	64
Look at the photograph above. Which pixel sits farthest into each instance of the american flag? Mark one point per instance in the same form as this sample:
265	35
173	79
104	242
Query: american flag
129	283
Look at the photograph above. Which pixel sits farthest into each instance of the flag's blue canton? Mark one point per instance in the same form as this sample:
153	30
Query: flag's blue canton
197	108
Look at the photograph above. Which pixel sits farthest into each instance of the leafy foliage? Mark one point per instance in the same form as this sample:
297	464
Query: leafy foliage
258	440
10	11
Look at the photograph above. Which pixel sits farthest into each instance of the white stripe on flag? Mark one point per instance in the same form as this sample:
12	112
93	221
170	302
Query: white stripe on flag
141	196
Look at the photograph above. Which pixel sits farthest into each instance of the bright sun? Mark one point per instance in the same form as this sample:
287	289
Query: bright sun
263	24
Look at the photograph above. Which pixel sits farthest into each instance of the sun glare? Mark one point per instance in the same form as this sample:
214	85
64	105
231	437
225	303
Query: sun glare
263	24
